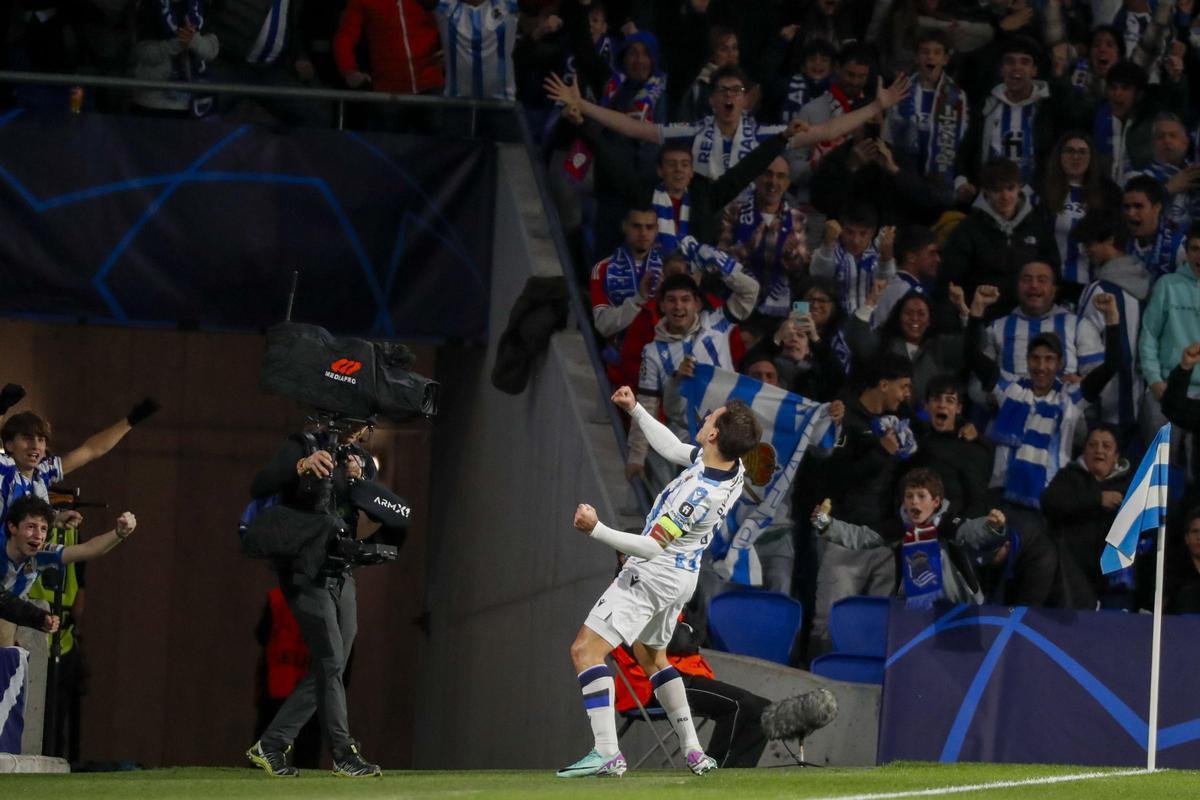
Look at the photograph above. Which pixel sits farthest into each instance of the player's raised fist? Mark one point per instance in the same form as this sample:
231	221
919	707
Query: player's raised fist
585	518
624	399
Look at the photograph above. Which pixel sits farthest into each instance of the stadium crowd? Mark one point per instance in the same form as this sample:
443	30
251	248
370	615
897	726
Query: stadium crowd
992	272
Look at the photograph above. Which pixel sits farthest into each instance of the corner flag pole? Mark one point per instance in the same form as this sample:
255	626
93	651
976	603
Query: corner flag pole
1156	636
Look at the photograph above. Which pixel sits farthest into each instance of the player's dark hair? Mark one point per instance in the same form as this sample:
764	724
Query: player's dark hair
1193	233
935	36
893	367
674	283
29	506
640	208
1048	340
1127	73
1109	428
730	71
1147	186
856	53
738	430
912	239
922	478
863	214
26	423
674	146
1020	44
944	384
1100	225
1054	276
998	174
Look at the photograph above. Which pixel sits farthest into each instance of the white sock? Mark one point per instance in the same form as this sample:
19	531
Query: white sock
672	696
596	683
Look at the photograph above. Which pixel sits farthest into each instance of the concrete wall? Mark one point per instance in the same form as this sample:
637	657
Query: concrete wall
509	579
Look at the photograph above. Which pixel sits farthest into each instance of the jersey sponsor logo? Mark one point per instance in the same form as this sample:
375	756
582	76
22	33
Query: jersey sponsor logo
686	510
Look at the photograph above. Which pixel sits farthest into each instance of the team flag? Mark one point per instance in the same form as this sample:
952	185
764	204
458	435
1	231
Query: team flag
790	424
1144	507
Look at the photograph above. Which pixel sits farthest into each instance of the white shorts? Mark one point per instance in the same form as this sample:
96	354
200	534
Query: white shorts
642	605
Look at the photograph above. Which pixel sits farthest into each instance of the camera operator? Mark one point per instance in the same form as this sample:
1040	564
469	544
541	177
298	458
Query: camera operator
314	474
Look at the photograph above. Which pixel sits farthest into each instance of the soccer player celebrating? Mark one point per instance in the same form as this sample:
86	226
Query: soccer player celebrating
642	605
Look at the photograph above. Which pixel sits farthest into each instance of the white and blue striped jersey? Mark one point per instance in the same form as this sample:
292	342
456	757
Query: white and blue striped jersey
14	485
1075	265
18	576
1120	398
1008	340
687	512
708	345
478	43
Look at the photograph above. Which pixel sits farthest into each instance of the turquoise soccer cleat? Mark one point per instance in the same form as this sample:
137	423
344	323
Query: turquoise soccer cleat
595	765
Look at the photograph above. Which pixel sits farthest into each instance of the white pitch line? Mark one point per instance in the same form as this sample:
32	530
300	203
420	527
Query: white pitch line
980	787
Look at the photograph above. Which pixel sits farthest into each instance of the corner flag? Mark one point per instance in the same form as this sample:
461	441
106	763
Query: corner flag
1144	507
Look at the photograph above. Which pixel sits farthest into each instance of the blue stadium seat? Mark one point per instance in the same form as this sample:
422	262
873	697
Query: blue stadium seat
751	622
859	625
850	668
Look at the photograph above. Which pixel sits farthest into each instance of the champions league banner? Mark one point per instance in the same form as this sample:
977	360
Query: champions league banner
12	698
790	424
1023	685
200	223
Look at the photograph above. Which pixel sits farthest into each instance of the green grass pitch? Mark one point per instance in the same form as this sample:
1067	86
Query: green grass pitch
811	783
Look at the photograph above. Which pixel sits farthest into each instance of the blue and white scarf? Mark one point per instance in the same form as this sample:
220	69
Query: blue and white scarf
933	130
745	139
1109	135
801	90
904	435
1031	428
854	276
670	230
644	100
624	273
1159	255
766	262
921	554
1119	400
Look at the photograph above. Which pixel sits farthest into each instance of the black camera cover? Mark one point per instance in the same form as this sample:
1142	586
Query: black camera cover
344	376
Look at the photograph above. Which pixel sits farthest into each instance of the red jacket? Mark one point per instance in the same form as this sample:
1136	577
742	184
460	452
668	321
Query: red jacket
402	38
688	665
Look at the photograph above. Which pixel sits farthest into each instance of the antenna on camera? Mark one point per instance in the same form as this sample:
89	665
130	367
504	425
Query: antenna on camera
292	295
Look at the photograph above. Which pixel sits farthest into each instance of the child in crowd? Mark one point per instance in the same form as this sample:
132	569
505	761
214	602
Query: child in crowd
933	545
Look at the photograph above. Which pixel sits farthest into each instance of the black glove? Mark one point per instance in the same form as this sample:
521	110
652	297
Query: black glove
10	395
142	411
